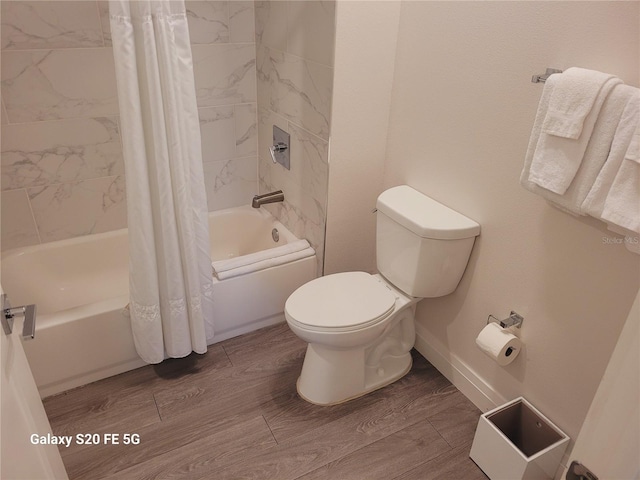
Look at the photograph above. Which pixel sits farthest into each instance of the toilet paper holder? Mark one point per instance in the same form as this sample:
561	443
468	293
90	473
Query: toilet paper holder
514	320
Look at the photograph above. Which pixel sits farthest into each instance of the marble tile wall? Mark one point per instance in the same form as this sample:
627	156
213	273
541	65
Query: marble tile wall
62	168
294	55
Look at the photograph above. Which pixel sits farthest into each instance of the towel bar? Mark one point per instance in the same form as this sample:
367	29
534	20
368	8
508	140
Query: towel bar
543	78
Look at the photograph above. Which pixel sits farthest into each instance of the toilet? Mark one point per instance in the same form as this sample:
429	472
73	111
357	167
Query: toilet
360	326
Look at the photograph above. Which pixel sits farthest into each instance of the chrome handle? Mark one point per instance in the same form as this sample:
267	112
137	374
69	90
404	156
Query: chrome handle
27	311
277	148
29	326
577	471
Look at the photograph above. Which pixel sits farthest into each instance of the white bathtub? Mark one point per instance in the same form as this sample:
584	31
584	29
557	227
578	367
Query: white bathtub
80	287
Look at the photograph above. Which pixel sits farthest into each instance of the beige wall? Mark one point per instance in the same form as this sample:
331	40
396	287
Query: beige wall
366	33
461	112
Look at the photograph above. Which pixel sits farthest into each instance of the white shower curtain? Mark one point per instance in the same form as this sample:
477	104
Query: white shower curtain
169	261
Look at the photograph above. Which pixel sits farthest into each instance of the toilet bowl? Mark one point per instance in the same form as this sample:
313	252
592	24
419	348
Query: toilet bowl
359	341
360	326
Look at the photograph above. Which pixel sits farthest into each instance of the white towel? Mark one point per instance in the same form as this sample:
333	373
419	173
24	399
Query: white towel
633	152
557	159
270	262
595	201
536	130
236	262
572	100
622	206
261	260
595	154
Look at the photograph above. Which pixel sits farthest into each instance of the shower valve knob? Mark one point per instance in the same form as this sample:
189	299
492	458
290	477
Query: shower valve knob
277	148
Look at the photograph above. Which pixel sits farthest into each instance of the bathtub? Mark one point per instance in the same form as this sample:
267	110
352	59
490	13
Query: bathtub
80	287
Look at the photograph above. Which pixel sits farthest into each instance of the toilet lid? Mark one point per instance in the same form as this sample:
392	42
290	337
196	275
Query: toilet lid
340	301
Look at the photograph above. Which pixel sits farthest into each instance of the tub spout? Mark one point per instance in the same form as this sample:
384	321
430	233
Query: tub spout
265	198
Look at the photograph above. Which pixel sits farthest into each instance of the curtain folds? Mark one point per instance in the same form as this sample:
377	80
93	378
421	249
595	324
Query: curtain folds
169	256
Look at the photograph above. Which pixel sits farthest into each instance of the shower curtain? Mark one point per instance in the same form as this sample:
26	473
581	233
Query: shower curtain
169	261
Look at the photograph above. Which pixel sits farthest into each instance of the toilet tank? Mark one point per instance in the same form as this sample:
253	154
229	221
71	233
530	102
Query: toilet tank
422	246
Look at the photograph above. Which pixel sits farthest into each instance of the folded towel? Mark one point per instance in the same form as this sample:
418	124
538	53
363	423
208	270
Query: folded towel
263	264
622	205
536	130
620	148
633	152
557	159
237	262
595	154
573	99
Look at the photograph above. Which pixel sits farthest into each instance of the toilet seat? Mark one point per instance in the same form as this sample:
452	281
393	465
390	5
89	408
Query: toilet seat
340	302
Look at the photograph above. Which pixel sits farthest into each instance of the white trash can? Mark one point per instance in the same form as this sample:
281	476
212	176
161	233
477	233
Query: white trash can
516	441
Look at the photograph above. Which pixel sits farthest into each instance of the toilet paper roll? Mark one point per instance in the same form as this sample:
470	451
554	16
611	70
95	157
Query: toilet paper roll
499	344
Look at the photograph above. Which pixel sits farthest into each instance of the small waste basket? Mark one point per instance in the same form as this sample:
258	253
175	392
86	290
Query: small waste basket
515	441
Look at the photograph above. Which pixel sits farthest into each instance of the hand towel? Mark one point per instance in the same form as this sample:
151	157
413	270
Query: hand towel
633	152
266	263
573	99
557	159
536	130
622	205
594	202
595	154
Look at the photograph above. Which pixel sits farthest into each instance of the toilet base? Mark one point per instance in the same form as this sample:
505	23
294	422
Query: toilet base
346	376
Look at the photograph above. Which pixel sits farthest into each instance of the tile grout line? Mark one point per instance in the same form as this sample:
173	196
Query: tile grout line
155	402
439	434
271	431
227	355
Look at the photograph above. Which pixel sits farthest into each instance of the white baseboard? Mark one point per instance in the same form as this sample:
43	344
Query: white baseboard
457	372
89	377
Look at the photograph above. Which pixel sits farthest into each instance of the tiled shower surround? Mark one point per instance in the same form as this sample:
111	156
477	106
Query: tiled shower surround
294	52
62	165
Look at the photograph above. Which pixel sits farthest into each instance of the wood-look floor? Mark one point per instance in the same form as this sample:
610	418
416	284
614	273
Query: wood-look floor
233	413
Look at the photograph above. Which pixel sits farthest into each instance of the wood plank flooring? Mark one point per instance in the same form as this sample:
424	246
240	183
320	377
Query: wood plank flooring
233	413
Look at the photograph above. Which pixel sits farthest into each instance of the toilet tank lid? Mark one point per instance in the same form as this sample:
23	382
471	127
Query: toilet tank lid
424	216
